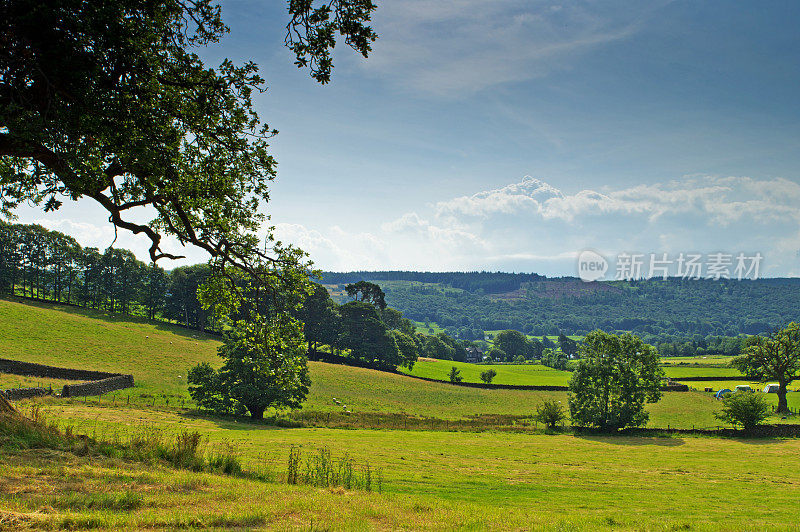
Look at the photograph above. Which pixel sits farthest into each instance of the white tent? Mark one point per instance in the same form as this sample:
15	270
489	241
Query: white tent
744	388
771	388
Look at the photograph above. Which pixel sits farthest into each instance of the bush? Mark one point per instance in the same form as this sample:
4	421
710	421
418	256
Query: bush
455	375
550	412
488	375
744	408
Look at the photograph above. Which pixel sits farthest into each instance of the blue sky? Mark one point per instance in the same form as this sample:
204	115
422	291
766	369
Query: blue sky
512	135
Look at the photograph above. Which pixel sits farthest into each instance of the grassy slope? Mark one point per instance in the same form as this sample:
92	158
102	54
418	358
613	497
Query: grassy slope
434	479
157	355
67	336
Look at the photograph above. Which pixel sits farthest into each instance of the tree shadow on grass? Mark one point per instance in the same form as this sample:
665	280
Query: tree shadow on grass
240	422
757	440
627	440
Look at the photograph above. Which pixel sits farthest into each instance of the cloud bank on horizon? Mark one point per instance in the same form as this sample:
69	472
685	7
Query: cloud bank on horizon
533	226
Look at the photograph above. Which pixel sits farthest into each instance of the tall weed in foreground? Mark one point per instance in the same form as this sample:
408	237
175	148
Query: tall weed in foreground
320	469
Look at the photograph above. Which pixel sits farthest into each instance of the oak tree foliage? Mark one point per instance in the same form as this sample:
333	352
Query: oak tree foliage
111	101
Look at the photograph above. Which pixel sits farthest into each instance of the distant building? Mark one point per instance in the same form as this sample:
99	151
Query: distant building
474	355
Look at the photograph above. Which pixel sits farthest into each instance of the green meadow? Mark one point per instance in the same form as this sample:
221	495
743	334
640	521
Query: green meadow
709	360
527	374
498	474
430	480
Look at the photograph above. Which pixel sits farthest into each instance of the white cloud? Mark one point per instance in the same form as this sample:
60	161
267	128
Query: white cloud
531	225
721	200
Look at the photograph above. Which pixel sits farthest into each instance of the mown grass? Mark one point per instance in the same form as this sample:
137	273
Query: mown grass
526	374
443	480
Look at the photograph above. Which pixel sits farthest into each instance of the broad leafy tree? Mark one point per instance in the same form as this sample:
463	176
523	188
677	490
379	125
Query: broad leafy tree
554	359
367	337
488	375
513	343
744	408
774	357
408	347
567	345
367	293
435	347
264	366
614	379
321	320
111	101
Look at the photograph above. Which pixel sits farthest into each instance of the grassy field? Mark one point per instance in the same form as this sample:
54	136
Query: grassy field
432	328
430	479
676	372
528	374
159	355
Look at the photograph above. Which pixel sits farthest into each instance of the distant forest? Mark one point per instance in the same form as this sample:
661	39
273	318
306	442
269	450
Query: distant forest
468	303
681	317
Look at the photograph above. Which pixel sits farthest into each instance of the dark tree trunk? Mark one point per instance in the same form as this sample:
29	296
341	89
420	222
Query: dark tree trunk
783	405
256	412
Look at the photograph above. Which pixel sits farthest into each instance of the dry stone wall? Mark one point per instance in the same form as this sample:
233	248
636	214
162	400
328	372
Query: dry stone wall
99	382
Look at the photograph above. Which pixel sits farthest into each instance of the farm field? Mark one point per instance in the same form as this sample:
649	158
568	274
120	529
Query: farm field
159	364
676	372
158	355
527	374
458	477
431	478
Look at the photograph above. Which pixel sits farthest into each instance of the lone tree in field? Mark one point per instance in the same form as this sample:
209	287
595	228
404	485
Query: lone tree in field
455	375
264	366
550	412
774	357
614	379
